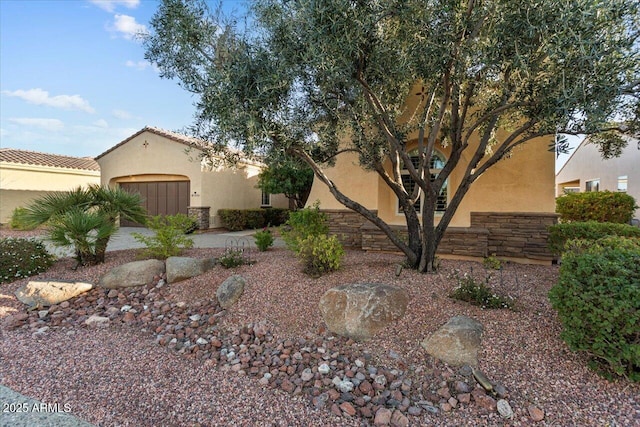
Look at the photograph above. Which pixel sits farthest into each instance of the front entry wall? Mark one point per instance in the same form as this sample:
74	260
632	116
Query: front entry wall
518	236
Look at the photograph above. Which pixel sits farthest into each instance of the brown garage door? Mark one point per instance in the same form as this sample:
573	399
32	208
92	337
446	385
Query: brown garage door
159	197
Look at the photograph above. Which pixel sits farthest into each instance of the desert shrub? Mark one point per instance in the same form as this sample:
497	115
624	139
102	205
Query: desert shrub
264	239
479	293
232	258
185	223
233	219
560	234
22	258
275	217
169	238
302	224
600	206
492	263
19	221
255	219
598	302
320	254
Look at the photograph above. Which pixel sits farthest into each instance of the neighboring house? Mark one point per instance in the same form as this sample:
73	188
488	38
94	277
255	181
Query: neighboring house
26	175
505	213
167	170
586	170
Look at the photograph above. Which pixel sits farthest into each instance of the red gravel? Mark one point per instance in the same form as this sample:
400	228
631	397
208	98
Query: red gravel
119	375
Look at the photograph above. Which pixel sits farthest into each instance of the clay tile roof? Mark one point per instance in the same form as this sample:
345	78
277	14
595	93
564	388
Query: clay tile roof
12	155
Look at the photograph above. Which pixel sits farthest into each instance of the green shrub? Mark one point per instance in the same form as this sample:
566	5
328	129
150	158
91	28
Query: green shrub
264	239
492	263
233	219
302	224
169	238
320	254
19	220
22	258
560	234
478	293
246	219
600	206
232	258
598	302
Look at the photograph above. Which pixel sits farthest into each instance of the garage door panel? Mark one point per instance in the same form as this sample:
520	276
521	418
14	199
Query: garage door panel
160	197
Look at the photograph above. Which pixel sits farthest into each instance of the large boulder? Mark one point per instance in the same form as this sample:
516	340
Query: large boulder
457	342
182	268
230	291
136	273
360	310
51	292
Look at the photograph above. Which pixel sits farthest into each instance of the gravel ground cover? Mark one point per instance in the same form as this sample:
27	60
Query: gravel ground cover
169	355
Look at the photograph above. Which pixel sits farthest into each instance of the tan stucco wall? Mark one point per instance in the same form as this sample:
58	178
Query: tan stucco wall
152	157
587	164
522	183
20	184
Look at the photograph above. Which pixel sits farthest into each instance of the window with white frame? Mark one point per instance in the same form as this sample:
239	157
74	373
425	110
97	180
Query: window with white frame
622	183
568	190
435	166
266	199
592	185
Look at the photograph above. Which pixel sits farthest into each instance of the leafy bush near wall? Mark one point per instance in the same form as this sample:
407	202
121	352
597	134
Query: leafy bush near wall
600	206
247	219
19	221
22	258
303	224
598	302
560	234
320	254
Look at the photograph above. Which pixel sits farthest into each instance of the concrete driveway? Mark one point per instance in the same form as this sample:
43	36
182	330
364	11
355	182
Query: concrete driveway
123	239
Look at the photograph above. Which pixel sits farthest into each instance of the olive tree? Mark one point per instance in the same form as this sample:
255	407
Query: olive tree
316	79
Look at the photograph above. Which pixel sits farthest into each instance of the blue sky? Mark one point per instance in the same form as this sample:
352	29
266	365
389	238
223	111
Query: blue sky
73	79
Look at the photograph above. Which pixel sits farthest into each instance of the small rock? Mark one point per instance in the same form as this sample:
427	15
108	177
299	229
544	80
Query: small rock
345	386
535	413
96	320
125	308
195	317
464	398
398	419
348	408
504	409
306	375
43	313
383	417
500	390
202	341
414	410
462	387
324	369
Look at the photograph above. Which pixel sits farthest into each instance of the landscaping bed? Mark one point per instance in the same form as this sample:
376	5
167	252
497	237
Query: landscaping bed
145	366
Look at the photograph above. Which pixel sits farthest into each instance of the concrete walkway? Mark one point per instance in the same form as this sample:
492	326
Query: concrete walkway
123	239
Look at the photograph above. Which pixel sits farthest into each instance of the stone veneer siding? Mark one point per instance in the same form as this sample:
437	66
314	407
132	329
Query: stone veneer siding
517	234
201	215
503	234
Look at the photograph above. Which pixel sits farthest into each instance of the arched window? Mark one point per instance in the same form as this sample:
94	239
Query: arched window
435	166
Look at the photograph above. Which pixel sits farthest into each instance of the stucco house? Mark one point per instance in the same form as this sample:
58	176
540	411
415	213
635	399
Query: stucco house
167	169
506	212
586	170
26	175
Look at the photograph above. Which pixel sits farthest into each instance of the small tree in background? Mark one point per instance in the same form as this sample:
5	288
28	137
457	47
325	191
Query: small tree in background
289	176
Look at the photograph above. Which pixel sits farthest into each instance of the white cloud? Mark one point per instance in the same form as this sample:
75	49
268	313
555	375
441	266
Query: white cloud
101	123
127	27
139	65
110	5
41	97
46	124
121	114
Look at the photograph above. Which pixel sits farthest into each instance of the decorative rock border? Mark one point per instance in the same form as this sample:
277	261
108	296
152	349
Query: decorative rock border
330	371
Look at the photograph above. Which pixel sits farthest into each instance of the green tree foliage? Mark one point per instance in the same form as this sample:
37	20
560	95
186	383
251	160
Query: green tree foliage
315	79
85	218
288	176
